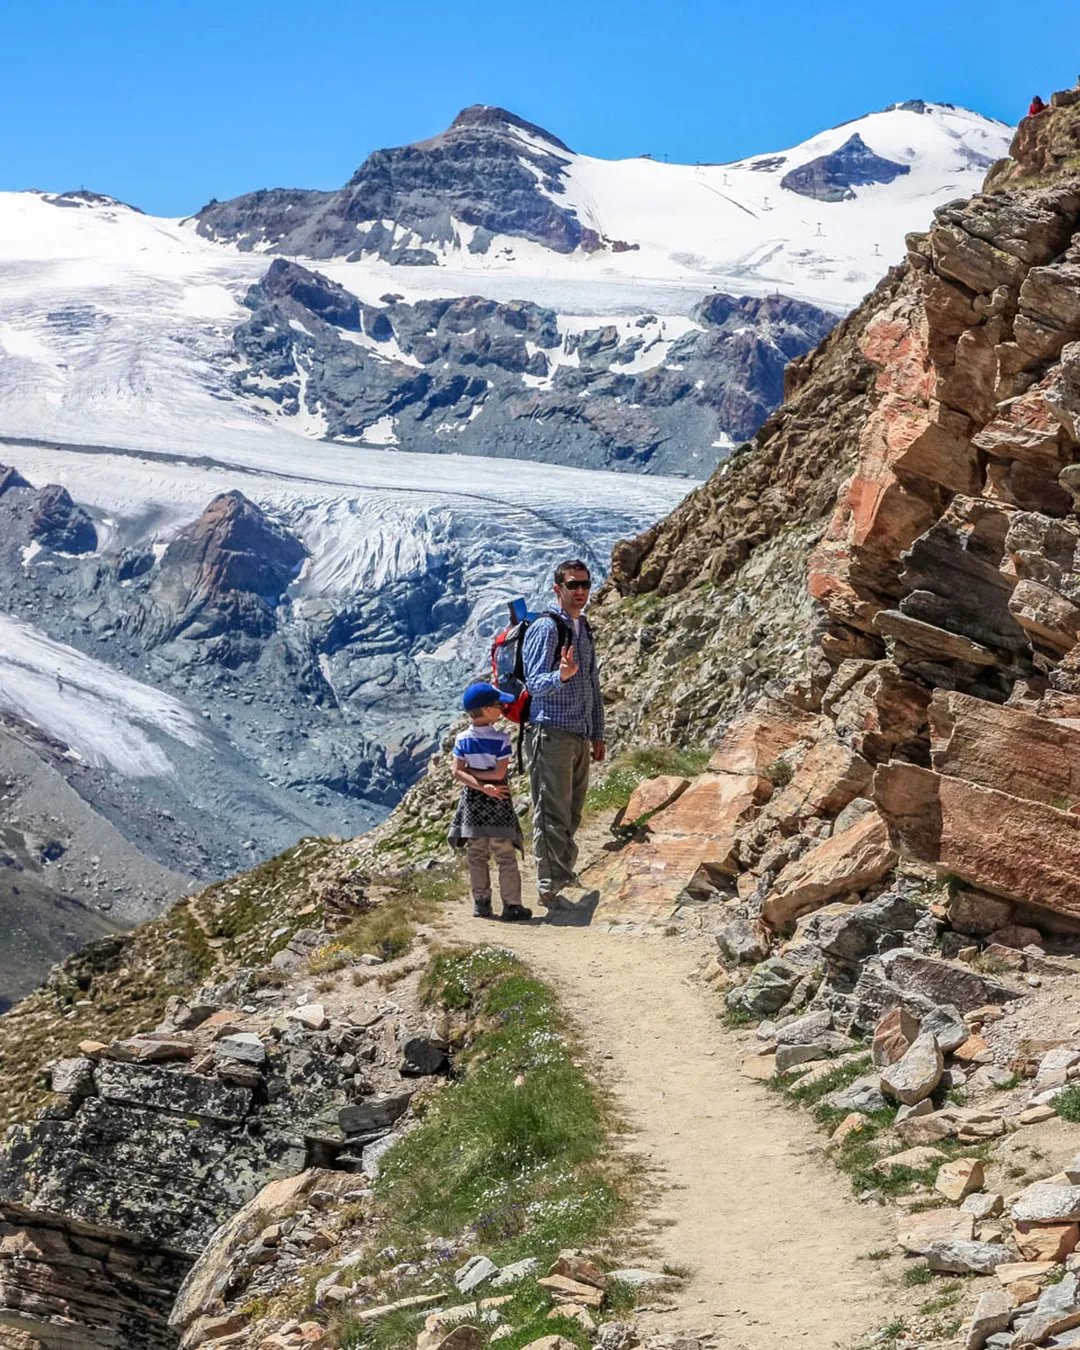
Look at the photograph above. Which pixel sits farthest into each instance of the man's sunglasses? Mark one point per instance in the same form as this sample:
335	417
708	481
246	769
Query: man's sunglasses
577	585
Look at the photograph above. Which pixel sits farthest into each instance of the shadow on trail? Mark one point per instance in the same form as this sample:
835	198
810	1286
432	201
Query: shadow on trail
579	915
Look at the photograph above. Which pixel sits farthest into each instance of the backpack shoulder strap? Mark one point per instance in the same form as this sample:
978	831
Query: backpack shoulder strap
563	630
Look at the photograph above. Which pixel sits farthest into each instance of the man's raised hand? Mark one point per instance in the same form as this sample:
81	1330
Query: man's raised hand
568	666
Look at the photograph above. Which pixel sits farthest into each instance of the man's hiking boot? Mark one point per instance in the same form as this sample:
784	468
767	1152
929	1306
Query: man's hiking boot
516	914
481	911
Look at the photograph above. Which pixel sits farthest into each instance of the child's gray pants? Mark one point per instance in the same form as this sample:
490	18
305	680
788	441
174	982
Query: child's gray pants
505	854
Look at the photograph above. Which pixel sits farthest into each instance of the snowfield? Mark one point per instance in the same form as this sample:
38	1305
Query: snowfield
104	717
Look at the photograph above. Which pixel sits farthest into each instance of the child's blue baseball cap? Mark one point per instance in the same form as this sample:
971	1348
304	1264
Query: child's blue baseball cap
482	695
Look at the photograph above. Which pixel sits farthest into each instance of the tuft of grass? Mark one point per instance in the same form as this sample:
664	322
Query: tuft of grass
1067	1104
917	1275
780	772
735	1018
633	766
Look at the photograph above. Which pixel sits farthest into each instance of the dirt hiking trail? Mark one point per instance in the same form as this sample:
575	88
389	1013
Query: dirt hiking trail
770	1231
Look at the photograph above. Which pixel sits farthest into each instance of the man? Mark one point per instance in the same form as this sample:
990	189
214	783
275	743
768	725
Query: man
565	731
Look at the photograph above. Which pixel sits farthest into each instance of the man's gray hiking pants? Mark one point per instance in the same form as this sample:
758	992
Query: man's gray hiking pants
559	779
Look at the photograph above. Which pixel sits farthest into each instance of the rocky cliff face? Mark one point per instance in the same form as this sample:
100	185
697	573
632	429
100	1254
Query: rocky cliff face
507	379
939	692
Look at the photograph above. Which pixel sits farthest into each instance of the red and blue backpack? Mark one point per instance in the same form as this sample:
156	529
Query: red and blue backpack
508	660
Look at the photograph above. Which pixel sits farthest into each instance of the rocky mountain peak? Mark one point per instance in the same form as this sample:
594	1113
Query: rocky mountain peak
485	115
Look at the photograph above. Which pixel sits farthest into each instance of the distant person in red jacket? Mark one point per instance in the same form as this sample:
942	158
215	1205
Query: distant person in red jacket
1037	106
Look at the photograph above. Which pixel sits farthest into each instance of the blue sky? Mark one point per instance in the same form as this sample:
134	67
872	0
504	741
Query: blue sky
166	105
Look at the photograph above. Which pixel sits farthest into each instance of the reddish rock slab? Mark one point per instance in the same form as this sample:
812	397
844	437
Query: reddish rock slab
849	861
882	712
754	742
653	795
1007	845
1004	748
693	837
829	776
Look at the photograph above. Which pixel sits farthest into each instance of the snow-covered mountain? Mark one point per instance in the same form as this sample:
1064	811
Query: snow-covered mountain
169	394
499	197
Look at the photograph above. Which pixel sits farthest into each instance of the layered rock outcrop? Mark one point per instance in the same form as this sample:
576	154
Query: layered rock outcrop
946	580
148	1143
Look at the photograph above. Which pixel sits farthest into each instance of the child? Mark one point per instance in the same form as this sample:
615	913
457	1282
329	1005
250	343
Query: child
485	822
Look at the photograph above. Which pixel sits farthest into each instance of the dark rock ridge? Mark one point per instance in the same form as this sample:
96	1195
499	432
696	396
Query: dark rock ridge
832	178
490	169
484	377
57	523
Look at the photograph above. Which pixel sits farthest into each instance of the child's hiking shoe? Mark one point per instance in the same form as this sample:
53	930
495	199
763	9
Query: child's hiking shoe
516	914
480	910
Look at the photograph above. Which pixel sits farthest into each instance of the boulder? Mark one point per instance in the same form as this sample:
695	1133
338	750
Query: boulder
1006	749
421	1057
945	1023
863	1095
767	989
151	1048
244	1046
805	1030
374	1113
918	1233
917	1073
843	863
966	1258
574	1266
742	940
1045	1202
992	1313
310	1015
928	1128
475	1272
942	820
788	1056
73	1077
847	938
563	1289
653	795
983	1206
959	1177
759	1067
1045	1241
893	1037
942	982
916	1159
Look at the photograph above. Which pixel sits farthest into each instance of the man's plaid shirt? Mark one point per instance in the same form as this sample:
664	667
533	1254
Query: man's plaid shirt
574	706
